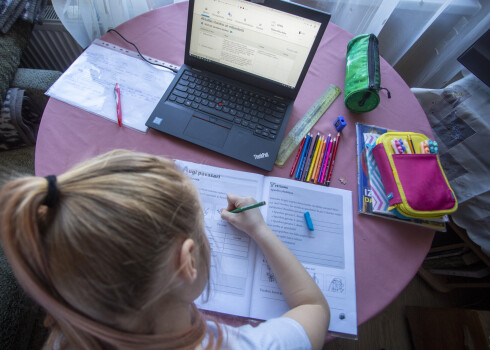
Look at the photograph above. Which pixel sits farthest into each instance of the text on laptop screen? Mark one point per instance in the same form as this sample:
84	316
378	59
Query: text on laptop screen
252	38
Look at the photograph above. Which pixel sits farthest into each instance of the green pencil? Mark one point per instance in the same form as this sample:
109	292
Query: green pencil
239	210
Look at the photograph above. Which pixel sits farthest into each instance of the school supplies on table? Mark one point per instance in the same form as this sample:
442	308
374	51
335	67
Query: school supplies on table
311	159
304	156
117	96
410	143
315	159
372	199
298	155
332	163
326	159
429	146
339	123
242	282
309	222
316	174
306	123
415	184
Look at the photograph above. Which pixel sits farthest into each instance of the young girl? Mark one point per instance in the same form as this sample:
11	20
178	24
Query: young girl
115	251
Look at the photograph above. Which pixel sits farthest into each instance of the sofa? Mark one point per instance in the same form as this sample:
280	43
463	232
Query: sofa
21	94
22	98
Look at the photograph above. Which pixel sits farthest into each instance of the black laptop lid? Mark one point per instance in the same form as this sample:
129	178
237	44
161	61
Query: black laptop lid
266	43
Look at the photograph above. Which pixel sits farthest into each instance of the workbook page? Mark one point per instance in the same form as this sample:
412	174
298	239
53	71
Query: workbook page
232	251
327	252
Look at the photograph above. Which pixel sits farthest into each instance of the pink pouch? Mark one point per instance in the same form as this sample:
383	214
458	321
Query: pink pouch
386	173
415	185
423	183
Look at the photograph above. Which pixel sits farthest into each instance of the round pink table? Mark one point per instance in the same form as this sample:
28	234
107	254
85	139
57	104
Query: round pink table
388	254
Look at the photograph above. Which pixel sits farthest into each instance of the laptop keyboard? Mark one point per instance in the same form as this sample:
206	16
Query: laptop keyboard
259	113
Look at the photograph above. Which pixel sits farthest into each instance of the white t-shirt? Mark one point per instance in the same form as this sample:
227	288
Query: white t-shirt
278	334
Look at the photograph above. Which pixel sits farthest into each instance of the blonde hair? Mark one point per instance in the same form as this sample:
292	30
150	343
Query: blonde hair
97	256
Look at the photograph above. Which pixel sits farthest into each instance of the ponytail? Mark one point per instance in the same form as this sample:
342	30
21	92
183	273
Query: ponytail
50	225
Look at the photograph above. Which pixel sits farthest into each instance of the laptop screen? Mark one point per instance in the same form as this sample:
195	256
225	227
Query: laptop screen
251	38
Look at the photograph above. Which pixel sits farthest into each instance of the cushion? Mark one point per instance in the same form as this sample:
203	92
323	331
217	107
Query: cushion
12	45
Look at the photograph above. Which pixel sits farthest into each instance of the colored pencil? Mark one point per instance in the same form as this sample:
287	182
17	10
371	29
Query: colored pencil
315	169
406	145
410	143
329	160
306	177
325	157
296	159
319	162
334	155
302	169
248	207
302	158
311	175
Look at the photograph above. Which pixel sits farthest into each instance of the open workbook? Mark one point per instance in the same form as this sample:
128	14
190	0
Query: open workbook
241	281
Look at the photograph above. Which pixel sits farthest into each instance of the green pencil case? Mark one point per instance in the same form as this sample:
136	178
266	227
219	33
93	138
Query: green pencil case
363	74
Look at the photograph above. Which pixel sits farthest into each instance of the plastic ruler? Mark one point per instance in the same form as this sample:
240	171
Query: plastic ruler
306	123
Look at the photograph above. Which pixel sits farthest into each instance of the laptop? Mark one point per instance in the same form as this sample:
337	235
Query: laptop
244	64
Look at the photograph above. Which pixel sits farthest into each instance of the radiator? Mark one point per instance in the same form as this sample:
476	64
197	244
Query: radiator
50	46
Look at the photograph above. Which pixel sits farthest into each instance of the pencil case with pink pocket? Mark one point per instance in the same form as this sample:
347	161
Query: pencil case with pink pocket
414	182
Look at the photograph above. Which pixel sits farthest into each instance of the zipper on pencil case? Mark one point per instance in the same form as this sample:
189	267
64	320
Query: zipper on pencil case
372	62
373	68
420	215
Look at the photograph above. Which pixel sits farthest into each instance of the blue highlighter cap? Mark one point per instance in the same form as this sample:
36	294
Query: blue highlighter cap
309	223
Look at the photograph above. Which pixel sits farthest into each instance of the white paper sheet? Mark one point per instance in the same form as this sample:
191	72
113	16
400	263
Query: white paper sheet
89	84
232	251
241	281
327	253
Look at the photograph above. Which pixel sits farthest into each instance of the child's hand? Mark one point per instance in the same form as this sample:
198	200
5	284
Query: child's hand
306	301
249	221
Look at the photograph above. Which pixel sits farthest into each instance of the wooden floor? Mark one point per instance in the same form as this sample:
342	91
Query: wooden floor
389	329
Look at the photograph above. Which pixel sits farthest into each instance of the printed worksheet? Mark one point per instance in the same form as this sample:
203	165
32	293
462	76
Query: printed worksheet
241	281
327	252
232	251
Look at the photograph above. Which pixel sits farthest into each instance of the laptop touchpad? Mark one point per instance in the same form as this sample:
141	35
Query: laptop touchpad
207	131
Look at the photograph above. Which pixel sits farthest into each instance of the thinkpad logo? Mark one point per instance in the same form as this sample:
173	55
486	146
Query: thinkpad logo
262	155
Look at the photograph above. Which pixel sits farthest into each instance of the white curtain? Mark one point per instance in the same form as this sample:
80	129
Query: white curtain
87	20
421	39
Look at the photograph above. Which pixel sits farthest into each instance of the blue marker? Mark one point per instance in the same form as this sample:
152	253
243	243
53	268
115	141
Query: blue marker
309	223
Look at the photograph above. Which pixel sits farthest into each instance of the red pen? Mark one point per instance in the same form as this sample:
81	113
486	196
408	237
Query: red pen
333	160
297	156
117	95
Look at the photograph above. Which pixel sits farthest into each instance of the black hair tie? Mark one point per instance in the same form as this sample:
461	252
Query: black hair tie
52	196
